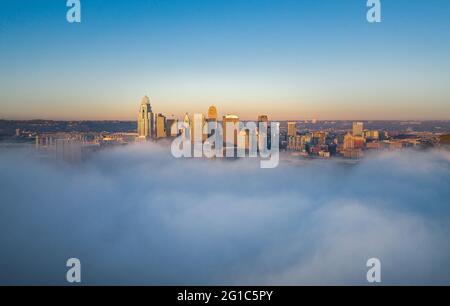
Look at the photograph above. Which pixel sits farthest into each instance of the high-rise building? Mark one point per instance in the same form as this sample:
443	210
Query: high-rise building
160	126
371	134
297	143
264	121
353	142
263	132
348	141
145	122
243	141
198	121
292	129
212	121
187	126
212	114
319	137
186	119
353	146
358	128
231	123
171	127
263	118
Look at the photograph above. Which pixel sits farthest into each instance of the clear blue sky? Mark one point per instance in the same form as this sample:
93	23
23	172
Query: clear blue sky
293	59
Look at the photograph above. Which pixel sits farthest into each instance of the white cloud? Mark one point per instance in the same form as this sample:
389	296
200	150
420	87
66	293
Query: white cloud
135	215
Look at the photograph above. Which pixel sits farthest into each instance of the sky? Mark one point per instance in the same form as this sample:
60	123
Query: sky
151	219
289	59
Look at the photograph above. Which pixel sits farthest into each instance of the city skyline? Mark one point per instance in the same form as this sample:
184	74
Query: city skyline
292	60
208	136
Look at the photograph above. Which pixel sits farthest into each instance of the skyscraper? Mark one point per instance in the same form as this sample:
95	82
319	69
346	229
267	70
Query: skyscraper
263	118
263	132
186	119
212	114
160	126
243	141
353	142
358	129
198	121
211	121
348	142
231	123
171	127
145	120
187	126
292	129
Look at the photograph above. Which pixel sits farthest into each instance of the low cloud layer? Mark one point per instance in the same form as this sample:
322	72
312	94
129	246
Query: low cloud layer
135	215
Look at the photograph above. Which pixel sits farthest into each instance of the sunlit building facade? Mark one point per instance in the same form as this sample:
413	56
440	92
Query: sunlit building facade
145	122
171	127
161	126
212	114
230	124
358	128
197	124
292	129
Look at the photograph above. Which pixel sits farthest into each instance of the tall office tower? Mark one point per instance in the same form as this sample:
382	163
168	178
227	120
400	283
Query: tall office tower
212	114
244	140
171	127
353	142
160	126
231	123
371	134
186	119
319	138
187	126
358	129
263	121
292	129
145	120
211	121
348	141
263	118
198	121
